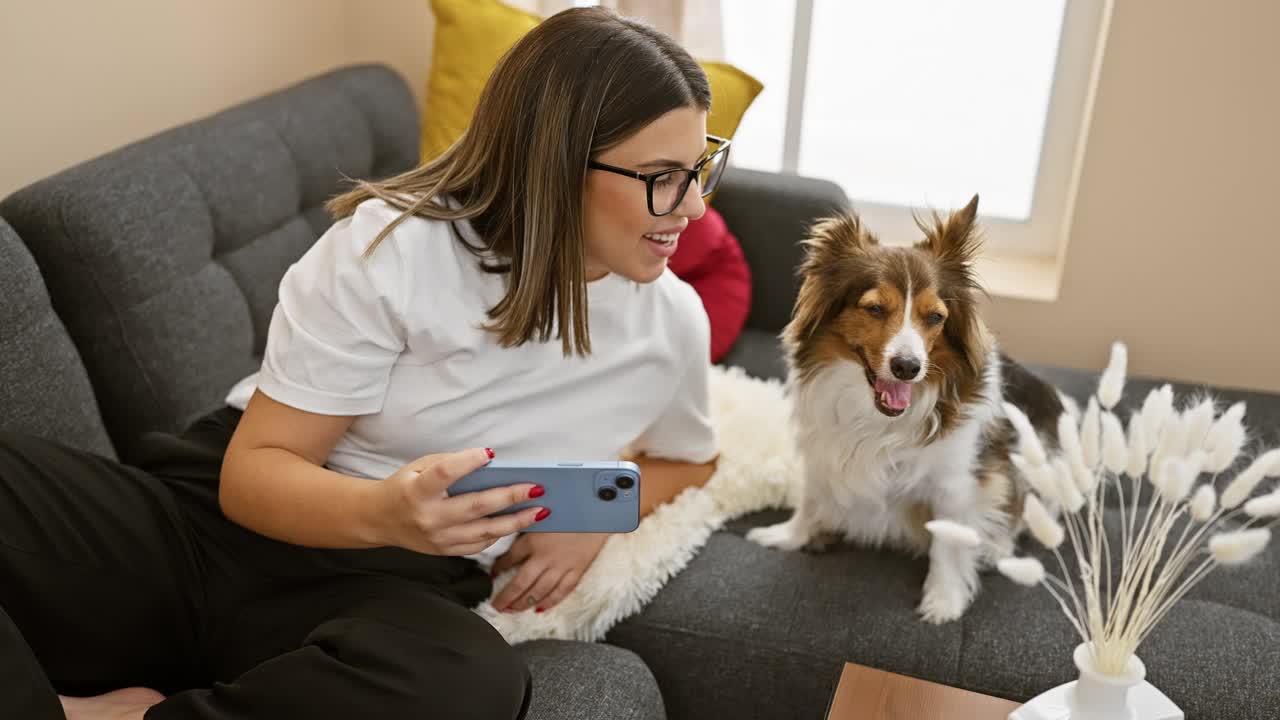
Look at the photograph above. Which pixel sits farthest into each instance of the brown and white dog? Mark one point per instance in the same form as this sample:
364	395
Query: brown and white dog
897	388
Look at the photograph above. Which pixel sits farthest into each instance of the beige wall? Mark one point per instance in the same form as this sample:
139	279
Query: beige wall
80	78
398	34
1172	249
1173	244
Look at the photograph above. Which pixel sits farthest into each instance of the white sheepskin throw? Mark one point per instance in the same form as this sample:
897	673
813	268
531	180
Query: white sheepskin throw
757	470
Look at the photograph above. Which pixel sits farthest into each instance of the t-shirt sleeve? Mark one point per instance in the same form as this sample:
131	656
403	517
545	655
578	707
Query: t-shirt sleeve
684	431
337	329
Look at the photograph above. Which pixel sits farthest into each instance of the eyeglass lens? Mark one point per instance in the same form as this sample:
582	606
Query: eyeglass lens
669	188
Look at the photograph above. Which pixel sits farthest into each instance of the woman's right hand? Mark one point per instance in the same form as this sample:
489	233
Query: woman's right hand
419	514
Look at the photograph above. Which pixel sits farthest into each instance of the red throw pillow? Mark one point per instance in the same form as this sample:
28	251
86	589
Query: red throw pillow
710	259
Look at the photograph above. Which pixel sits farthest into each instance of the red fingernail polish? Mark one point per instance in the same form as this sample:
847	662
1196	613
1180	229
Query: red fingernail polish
542	515
536	491
489	452
540	609
493	573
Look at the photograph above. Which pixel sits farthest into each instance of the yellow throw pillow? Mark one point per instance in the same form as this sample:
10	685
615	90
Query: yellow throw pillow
732	92
472	35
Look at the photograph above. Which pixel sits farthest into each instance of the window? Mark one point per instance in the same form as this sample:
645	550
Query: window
918	104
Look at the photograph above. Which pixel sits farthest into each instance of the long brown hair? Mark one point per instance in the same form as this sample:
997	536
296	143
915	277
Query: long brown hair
578	84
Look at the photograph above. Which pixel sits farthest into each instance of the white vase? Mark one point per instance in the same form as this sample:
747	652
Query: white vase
1096	696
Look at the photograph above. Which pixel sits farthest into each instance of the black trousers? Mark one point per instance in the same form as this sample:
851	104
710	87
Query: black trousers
114	576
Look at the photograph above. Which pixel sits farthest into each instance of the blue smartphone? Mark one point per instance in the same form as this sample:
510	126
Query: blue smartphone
583	497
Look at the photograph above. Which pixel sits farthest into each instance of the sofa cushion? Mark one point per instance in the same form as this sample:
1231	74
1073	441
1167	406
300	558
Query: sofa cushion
585	681
768	631
44	389
163	257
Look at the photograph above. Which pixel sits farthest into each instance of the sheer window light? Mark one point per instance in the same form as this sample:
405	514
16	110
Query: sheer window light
919	104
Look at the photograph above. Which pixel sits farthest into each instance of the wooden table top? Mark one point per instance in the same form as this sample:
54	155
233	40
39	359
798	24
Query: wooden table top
868	694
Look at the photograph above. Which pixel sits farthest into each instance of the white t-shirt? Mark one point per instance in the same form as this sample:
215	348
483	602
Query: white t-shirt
395	340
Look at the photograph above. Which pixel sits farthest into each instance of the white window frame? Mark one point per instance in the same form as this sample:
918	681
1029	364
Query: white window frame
1044	233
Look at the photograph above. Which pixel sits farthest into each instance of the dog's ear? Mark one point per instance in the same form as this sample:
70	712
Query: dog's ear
837	236
832	243
965	331
814	308
955	240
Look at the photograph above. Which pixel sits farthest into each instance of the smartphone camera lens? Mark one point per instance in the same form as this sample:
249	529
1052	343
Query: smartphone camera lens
625	482
607	493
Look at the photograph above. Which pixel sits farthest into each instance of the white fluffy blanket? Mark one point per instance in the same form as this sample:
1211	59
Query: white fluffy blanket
757	469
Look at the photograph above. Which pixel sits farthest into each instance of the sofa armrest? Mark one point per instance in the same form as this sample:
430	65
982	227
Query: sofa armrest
770	214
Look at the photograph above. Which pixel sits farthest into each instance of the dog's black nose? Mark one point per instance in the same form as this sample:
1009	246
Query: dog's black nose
905	368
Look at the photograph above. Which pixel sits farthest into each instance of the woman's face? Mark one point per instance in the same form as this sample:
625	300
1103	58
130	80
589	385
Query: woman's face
619	233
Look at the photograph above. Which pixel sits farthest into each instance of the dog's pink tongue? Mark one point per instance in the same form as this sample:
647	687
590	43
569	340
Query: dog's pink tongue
895	395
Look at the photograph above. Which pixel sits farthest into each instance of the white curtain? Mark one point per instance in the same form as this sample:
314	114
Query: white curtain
695	24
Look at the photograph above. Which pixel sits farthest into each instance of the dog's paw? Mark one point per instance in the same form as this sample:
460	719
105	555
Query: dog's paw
782	536
943	603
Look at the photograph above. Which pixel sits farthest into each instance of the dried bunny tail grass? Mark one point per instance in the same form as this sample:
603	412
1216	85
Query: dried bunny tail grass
1264	466
1070	494
1090	434
1238	546
1225	452
1202	503
1111	385
1029	445
1173	441
1156	410
1266	506
1159	559
953	533
1041	524
1174	478
1069	440
1022	570
1041	478
1115	449
1199	421
1138	452
1226	438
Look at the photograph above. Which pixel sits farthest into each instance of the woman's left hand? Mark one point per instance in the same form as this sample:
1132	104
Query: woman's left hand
551	564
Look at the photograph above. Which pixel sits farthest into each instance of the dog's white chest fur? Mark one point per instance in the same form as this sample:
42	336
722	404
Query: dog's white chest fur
865	472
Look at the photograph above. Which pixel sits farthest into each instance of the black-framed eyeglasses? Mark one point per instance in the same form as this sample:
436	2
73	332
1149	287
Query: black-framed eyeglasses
667	188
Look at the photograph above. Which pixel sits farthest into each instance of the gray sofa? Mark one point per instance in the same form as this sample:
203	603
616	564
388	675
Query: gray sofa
161	261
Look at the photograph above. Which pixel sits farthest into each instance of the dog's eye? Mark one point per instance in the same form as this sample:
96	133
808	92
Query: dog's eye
875	310
934	318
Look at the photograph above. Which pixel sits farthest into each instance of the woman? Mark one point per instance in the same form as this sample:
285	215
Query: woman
301	559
